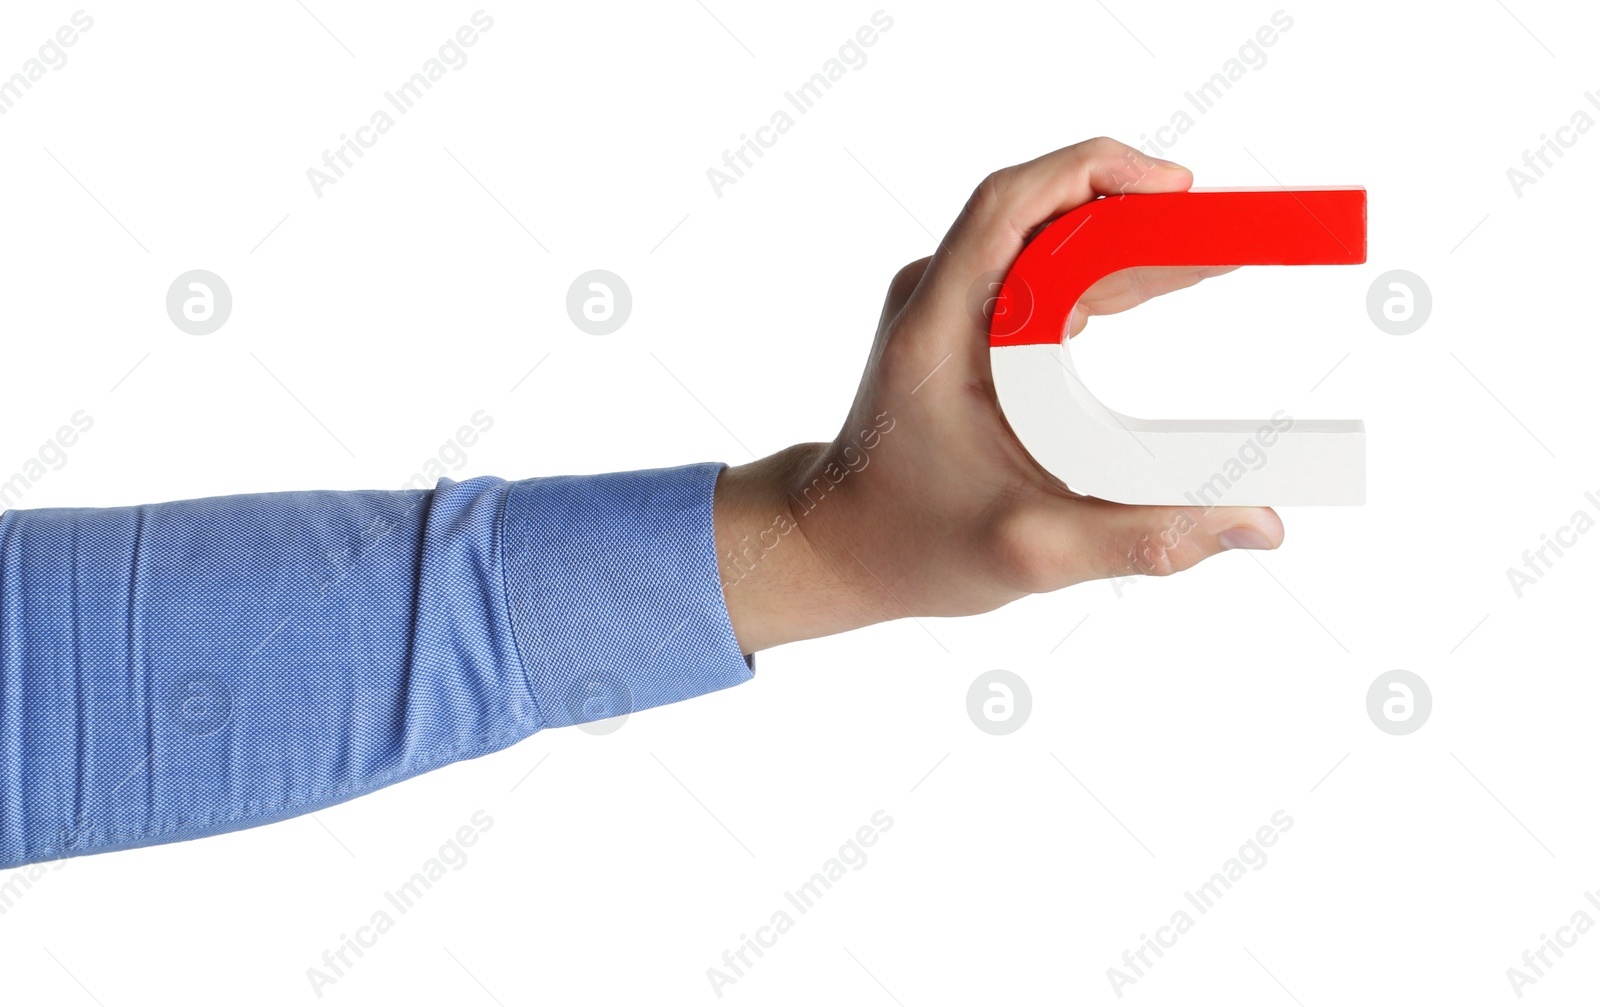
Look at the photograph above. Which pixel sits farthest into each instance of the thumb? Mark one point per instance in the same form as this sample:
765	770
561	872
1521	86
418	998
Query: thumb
1083	538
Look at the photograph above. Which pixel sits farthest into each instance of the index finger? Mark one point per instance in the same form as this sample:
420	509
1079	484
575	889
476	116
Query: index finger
1008	205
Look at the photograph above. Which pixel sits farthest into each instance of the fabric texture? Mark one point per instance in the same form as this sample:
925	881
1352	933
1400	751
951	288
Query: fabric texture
179	670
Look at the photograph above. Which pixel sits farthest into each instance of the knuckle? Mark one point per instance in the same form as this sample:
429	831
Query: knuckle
989	196
1010	549
1165	549
1105	145
1021	552
1151	556
907	277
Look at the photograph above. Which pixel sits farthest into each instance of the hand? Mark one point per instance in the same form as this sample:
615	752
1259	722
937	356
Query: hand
926	504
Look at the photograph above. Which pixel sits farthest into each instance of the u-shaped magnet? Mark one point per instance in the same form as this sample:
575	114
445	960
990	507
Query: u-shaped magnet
1105	454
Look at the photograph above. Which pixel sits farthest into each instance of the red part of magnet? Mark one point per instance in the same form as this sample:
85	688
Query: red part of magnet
1200	227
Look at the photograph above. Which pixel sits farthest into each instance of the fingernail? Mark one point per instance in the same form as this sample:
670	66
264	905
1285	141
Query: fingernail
1243	538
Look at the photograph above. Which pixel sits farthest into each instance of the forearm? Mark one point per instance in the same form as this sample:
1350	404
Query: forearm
177	670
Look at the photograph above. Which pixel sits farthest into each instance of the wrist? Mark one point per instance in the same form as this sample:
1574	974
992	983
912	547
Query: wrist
779	578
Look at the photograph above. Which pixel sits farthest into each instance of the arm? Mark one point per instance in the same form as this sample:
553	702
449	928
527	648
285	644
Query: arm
178	670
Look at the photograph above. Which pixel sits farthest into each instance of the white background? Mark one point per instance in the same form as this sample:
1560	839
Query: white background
1176	718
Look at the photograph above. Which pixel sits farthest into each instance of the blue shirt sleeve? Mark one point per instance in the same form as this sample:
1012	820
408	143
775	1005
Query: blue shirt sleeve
184	669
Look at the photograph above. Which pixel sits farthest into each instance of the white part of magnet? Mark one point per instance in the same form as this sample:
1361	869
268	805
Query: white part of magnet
1200	463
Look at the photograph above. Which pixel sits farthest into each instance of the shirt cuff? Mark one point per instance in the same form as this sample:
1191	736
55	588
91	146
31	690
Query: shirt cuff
615	599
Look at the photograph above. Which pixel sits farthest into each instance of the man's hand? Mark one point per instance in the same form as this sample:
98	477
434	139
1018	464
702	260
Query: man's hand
926	504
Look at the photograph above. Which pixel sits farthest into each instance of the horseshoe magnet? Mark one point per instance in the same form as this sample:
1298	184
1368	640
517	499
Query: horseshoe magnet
1101	452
